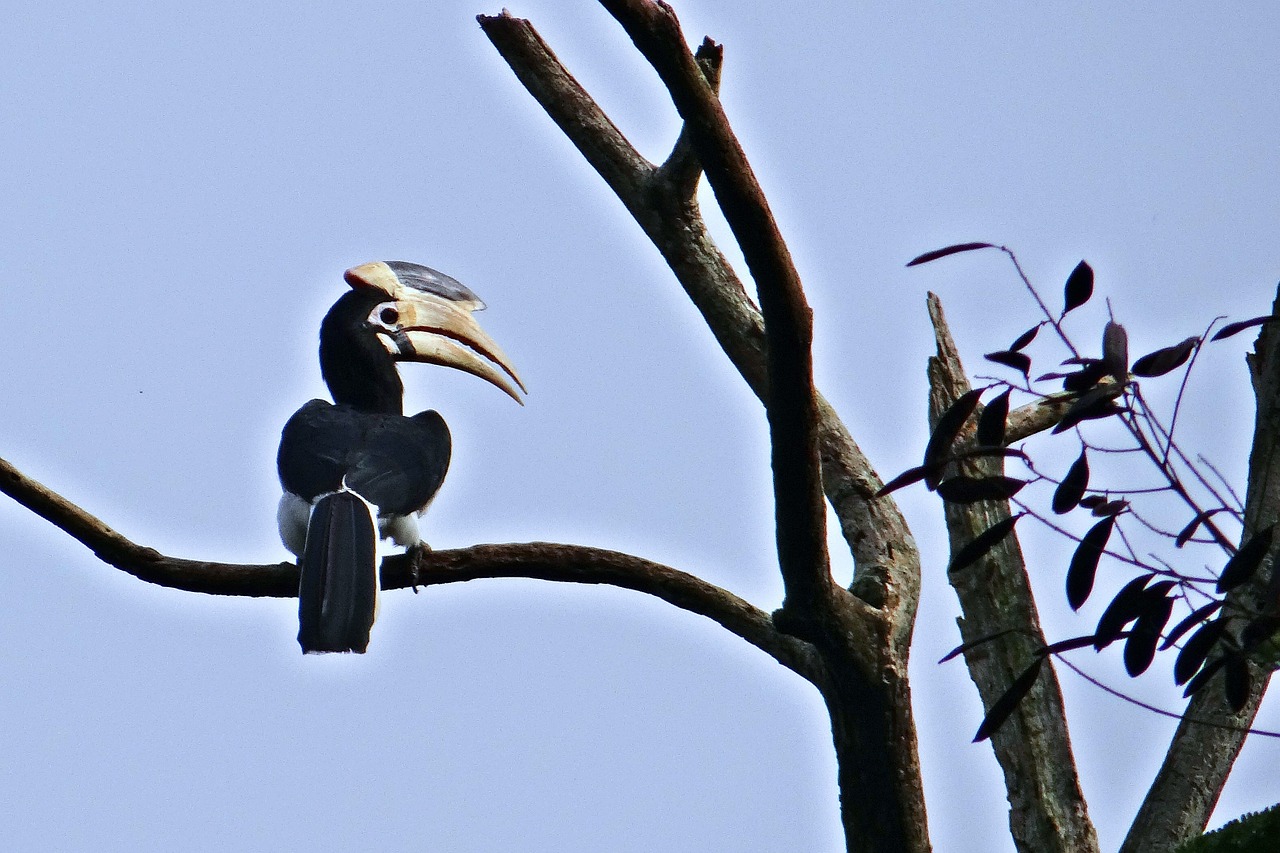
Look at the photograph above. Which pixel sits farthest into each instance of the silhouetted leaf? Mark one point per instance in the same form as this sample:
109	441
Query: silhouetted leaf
1072	488
1008	701
1208	671
1258	630
1079	287
1115	351
979	452
976	548
1109	508
1025	338
1090	501
1066	645
1235	684
1195	650
1098	403
1162	361
965	490
1245	562
1239	326
1140	648
973	644
1084	562
1019	361
1190	621
1086	377
1184	536
1122	610
949	250
906	478
947	428
991	421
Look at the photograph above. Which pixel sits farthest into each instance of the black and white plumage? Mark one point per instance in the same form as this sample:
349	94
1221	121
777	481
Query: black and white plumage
357	470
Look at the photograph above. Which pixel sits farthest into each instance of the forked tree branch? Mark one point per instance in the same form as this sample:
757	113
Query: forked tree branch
537	560
885	555
790	403
864	638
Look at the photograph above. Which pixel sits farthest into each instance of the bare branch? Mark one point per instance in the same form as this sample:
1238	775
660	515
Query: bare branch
537	560
885	555
790	404
1047	807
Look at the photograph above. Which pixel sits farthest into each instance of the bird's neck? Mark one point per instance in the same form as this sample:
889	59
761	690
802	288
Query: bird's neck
359	372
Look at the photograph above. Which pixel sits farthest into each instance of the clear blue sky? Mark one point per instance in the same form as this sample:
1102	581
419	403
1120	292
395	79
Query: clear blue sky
181	189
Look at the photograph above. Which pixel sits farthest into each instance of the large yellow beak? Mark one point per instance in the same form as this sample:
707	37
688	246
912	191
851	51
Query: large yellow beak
428	319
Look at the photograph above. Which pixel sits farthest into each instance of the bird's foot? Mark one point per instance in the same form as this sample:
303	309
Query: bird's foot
414	574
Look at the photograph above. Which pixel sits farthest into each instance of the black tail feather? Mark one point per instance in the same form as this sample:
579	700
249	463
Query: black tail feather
338	589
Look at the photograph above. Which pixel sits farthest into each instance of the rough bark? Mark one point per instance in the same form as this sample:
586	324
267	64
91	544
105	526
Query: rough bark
1209	738
1047	810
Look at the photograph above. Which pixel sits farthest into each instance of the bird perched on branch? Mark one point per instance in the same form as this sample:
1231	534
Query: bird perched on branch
358	470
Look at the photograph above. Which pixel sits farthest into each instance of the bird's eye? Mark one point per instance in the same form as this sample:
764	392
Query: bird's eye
389	316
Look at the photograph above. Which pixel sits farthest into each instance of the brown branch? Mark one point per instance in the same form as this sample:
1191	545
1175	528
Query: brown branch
1047	808
790	404
865	636
537	560
885	555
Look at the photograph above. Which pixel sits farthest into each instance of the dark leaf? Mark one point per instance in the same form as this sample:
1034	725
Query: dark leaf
1234	328
1072	488
973	644
949	250
1019	361
1109	508
1084	562
1140	648
1208	671
1236	683
1193	619
1091	501
1066	645
991	421
1162	361
1098	403
1244	563
1192	526
1115	351
1045	377
1086	377
906	478
1025	338
965	490
1259	630
992	453
1079	287
1195	650
947	428
1122	610
1008	701
976	548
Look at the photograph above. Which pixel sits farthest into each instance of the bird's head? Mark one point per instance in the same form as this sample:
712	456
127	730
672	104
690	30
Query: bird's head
412	313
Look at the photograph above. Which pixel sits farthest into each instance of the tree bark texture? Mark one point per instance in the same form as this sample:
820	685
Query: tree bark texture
1210	736
1047	810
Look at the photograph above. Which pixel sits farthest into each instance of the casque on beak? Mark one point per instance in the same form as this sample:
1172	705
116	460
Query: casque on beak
428	319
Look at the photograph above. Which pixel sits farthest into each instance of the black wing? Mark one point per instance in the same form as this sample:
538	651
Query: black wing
394	462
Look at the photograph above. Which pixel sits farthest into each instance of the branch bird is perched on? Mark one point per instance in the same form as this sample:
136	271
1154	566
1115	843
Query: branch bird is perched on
357	471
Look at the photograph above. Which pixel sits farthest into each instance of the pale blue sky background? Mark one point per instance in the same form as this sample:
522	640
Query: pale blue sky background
181	189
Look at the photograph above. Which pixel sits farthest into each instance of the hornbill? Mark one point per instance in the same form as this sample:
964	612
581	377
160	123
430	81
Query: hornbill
360	471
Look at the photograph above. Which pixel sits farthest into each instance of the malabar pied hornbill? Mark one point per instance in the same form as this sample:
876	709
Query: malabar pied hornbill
357	471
